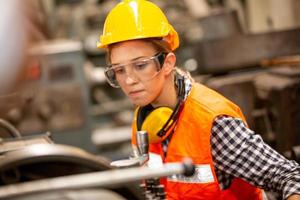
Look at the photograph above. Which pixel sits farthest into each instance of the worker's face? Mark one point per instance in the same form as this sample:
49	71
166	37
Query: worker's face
137	71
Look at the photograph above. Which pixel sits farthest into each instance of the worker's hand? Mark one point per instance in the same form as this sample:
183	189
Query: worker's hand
294	197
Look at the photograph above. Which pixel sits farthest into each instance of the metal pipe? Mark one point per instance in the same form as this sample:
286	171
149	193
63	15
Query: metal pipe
12	130
95	179
143	146
142	156
142	142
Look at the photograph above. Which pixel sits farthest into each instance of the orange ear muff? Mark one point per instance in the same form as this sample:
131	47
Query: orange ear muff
155	121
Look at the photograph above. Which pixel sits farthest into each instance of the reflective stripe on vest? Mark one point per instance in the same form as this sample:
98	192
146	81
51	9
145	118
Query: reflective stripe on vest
203	174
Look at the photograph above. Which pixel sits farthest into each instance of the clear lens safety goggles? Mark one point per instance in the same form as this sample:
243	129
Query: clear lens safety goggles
140	69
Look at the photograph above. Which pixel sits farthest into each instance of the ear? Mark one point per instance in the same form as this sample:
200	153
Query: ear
169	64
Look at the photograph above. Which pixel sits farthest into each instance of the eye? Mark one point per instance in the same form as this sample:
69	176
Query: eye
119	70
140	65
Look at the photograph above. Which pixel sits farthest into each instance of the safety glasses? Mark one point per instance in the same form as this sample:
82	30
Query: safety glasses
141	69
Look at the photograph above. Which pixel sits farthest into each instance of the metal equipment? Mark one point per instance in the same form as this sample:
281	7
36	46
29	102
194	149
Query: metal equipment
25	159
152	187
39	161
278	92
141	155
35	158
97	179
12	144
56	97
82	194
219	56
140	158
220	24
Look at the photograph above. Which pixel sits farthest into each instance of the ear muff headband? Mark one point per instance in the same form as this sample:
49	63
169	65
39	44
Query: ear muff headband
175	114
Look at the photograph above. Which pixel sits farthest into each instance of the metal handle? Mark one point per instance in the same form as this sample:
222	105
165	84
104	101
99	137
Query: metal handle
96	179
142	142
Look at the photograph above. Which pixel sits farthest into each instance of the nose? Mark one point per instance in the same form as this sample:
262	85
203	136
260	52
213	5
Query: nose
130	80
130	77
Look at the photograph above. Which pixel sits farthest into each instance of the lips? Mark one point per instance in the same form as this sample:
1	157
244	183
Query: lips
135	93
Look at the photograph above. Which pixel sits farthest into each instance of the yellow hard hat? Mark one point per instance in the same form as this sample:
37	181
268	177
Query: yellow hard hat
137	19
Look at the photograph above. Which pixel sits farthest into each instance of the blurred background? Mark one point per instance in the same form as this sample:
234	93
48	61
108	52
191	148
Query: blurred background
248	50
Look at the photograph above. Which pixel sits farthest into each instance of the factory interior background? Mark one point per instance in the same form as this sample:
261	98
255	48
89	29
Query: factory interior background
247	50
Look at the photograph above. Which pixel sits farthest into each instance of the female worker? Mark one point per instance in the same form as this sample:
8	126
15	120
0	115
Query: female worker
187	119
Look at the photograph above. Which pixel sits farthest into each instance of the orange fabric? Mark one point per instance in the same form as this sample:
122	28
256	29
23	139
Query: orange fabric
191	138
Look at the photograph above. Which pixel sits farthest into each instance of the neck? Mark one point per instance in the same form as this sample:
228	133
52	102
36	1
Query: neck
168	95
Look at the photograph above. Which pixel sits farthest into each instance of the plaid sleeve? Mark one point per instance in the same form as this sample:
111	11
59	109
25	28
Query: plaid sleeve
237	151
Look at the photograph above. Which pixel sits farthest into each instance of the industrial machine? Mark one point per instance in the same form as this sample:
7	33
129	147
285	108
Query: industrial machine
33	167
278	95
35	158
56	96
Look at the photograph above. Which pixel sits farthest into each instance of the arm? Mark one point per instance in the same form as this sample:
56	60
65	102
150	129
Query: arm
238	151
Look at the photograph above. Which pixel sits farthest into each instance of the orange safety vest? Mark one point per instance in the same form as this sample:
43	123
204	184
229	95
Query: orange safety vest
191	138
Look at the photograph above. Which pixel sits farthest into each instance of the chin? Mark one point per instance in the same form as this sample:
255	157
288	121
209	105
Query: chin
140	102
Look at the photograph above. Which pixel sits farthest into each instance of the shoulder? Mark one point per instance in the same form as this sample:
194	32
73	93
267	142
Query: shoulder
211	102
